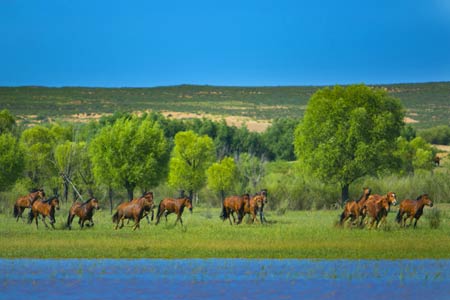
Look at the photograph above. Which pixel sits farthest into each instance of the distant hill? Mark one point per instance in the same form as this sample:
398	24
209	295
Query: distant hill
427	104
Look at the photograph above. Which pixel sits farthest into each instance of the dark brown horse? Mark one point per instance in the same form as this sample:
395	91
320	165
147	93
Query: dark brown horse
45	209
352	209
377	207
27	201
133	210
412	209
254	206
234	204
171	205
84	211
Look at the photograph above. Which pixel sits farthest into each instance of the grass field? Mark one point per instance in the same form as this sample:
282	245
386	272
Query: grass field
299	234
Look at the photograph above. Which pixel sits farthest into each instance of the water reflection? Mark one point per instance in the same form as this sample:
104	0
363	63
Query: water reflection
223	279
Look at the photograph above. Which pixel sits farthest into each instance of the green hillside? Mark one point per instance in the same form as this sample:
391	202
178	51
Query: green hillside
427	103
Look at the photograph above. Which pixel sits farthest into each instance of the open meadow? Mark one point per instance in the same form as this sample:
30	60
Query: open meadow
294	234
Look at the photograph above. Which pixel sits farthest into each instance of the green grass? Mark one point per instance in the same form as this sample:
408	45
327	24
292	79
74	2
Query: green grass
300	234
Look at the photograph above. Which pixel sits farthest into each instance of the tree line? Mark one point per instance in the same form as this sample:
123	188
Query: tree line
346	133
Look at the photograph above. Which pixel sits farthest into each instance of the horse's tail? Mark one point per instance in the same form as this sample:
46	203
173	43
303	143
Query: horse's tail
341	221
399	216
68	220
159	210
224	214
30	216
115	217
16	211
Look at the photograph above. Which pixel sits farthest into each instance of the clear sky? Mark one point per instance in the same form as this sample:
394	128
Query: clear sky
133	43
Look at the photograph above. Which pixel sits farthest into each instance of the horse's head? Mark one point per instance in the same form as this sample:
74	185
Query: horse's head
259	201
94	203
41	193
392	198
366	192
148	201
188	203
55	202
148	195
263	193
426	200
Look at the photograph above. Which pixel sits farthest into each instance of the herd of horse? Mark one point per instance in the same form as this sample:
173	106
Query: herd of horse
372	208
376	207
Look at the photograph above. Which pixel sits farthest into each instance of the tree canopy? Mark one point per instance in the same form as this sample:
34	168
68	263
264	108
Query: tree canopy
348	132
191	157
130	153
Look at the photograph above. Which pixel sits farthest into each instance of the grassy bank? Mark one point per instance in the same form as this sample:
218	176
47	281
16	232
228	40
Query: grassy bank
301	234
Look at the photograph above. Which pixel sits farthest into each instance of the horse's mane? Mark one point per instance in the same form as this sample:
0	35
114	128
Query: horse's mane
146	193
87	201
49	199
34	190
418	198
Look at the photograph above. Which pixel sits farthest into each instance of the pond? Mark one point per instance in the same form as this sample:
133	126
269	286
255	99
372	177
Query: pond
223	279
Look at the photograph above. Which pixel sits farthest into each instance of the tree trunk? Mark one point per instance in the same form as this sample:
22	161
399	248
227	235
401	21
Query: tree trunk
110	193
344	193
130	189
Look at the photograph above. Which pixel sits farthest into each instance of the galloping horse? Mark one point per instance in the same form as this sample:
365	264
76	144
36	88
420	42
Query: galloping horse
352	209
45	209
84	211
133	210
254	206
234	204
413	209
27	201
377	207
171	205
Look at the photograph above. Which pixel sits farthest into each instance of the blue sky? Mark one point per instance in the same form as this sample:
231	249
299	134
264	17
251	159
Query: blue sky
245	43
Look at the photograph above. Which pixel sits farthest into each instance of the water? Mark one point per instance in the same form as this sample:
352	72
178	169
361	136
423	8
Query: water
223	279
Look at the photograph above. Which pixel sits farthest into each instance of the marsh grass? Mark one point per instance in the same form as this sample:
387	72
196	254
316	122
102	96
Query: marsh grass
295	234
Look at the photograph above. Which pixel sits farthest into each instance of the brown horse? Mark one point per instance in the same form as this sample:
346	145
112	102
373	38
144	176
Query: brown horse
413	209
147	209
234	204
27	201
254	206
133	210
171	205
377	207
84	211
352	209
45	209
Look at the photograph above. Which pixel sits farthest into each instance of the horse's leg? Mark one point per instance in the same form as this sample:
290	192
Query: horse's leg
122	219
43	221
36	215
69	220
179	218
415	222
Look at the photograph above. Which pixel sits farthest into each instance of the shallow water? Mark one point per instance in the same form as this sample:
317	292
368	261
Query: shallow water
223	279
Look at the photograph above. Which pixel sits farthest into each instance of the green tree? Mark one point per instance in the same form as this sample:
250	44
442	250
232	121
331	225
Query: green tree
279	139
191	157
38	143
130	153
251	171
222	176
7	121
347	133
12	160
